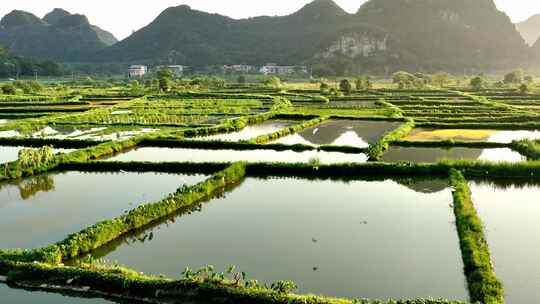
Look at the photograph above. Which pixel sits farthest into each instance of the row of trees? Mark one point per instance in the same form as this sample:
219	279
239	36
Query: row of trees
15	67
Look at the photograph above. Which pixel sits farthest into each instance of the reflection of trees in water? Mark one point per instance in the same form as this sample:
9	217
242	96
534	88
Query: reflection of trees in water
429	155
329	132
424	185
29	187
509	183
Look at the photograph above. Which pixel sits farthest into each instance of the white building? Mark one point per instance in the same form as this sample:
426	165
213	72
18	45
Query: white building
137	71
239	68
274	69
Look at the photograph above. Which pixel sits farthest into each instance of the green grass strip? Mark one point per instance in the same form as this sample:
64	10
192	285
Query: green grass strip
376	150
289	130
106	231
484	286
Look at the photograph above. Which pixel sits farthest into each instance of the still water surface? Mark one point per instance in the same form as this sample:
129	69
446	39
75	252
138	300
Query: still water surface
432	155
37	211
347	239
356	133
510	215
201	155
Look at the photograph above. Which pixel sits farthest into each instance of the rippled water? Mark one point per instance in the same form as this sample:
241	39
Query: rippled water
348	239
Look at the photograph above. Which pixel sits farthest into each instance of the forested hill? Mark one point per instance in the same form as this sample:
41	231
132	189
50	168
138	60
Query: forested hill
384	35
59	35
391	34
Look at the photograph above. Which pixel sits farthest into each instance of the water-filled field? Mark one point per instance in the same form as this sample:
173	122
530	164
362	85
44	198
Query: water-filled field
432	155
39	210
369	241
510	214
356	133
252	131
149	154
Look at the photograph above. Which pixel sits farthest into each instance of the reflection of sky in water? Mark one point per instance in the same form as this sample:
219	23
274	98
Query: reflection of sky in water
9	154
502	154
430	155
19	296
509	136
250	132
197	155
44	209
348	239
354	133
512	230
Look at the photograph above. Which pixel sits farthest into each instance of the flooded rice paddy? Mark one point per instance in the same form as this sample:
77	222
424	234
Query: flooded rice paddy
369	241
149	154
510	215
495	136
432	155
356	133
251	132
40	210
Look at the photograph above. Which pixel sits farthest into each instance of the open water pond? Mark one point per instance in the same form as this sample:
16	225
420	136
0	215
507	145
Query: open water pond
510	215
9	154
432	155
19	296
40	210
149	154
496	136
348	239
356	133
250	132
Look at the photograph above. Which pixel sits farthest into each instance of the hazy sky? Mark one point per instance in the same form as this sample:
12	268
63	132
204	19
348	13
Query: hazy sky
122	17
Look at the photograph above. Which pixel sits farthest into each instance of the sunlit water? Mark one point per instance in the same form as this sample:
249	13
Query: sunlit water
355	239
200	155
37	211
9	154
250	132
354	133
431	155
512	229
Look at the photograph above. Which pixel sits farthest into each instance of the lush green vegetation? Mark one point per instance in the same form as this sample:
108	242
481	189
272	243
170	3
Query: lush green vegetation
483	284
117	115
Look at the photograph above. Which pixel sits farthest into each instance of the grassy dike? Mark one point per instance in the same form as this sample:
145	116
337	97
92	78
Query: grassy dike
484	286
289	130
376	150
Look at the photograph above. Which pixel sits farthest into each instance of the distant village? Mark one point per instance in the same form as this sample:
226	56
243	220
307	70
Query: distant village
139	71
